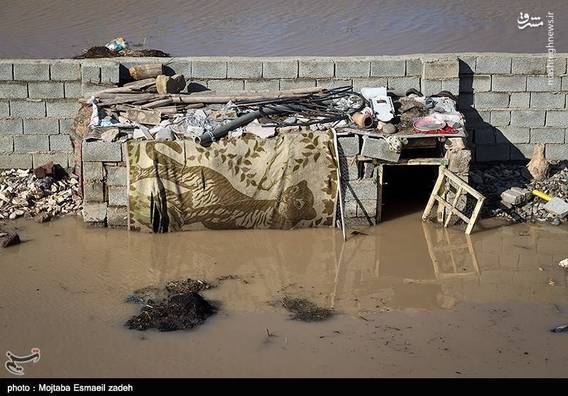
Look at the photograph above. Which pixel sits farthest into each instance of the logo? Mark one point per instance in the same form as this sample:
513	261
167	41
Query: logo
13	364
525	21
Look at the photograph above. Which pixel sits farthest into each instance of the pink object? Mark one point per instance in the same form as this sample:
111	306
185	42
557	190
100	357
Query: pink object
428	123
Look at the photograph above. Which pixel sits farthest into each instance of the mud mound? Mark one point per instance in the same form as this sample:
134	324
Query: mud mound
104	52
305	310
186	286
177	312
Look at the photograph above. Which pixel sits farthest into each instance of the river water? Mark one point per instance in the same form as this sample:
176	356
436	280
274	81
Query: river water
412	299
63	28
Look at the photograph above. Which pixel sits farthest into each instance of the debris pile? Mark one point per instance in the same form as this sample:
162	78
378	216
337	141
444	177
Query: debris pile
43	197
9	239
509	191
178	306
305	310
119	47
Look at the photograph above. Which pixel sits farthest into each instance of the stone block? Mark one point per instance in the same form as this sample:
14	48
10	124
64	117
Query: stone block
6	71
62	108
359	83
117	216
20	161
13	90
110	73
512	134
31	71
30	143
440	69
41	126
226	85
543	84
262	85
90	74
93	171
65	71
73	89
557	118
348	145
280	68
556	152
6	145
350	168
388	68
4	110
60	143
11	126
527	118
352	68
94	212
181	67
66	125
27	109
519	100
316	68
548	135
402	84
333	83
93	191
209	69
509	83
431	87
500	118
364	189
102	151
491	100
414	67
451	85
116	175
493	64
529	65
117	196
244	69
57	158
548	101
296	83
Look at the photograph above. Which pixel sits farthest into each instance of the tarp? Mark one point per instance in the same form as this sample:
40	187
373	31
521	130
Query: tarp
289	181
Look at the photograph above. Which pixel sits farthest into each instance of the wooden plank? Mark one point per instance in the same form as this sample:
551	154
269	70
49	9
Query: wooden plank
454	203
432	198
474	215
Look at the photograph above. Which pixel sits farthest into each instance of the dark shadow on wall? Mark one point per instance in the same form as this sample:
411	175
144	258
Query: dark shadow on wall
488	143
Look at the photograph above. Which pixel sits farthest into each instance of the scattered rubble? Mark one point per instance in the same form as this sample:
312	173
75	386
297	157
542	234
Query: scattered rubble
22	193
509	187
9	239
305	310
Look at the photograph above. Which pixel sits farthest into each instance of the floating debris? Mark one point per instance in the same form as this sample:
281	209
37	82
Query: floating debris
305	310
560	329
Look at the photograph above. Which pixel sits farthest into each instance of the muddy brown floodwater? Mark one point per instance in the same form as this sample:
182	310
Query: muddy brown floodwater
63	28
412	299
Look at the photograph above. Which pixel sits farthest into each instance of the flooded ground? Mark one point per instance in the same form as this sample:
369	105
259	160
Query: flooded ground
412	299
63	28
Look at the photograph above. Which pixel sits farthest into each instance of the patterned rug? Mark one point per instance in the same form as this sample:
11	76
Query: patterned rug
285	182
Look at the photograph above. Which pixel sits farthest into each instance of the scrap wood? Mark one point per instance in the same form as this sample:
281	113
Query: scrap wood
141	72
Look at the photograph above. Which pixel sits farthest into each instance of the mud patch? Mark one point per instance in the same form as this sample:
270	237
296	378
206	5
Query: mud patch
178	306
305	310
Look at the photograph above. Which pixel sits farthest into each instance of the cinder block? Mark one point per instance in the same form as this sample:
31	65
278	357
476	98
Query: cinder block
388	68
244	69
364	189
57	158
11	126
45	90
512	134
90	74
401	84
359	83
350	168
527	118
30	143
333	83
529	65
6	144
451	85
117	196
60	143
226	85
93	191
65	71
66	125
4	110
431	87
117	216
491	100
73	89
27	109
296	83
509	83
547	101
13	90
31	71
500	118
93	171
352	68
102	151
556	152
110	73
181	67
116	175
41	126
493	64
6	71
519	100
548	135
280	69
262	85
557	118
62	108
378	148
492	152
19	161
94	212
543	84
316	68
521	151
209	69
414	67
467	64
348	145
440	69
